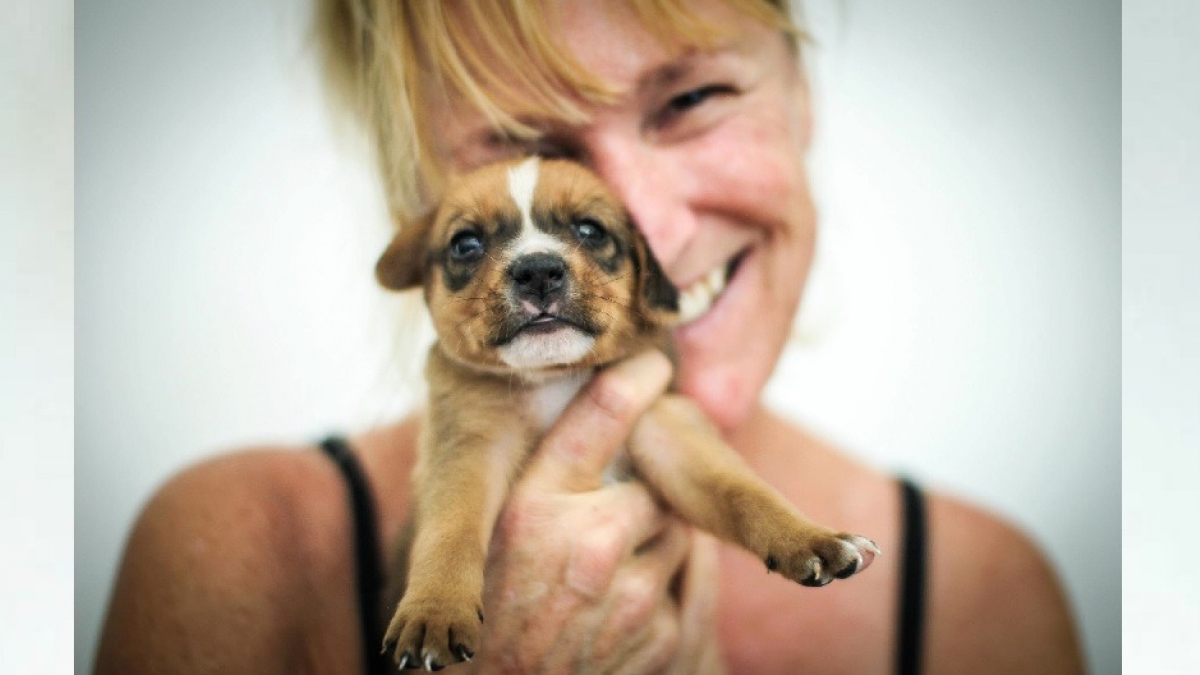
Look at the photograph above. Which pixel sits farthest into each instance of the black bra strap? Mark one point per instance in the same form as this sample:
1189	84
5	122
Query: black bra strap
911	619
366	552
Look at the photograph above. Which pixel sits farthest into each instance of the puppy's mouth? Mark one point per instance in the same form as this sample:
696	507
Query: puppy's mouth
541	323
701	295
545	323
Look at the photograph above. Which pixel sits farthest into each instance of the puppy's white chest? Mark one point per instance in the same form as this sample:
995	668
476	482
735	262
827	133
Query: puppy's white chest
545	403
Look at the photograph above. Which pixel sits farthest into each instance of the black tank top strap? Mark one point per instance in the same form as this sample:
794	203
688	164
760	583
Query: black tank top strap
367	555
911	618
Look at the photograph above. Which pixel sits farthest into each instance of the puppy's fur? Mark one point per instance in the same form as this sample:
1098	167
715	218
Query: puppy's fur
535	277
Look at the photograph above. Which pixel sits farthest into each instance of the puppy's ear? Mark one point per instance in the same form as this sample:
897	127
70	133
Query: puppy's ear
658	296
403	265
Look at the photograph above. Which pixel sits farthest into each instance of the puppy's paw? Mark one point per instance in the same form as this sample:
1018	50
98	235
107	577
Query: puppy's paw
819	559
433	634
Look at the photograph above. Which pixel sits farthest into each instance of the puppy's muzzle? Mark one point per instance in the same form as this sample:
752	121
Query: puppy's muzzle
539	279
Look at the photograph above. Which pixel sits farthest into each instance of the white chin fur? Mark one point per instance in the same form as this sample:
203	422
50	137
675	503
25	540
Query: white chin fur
539	350
695	300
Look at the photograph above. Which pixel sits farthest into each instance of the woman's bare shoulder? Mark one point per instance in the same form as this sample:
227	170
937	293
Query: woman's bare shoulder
216	562
283	501
274	500
229	557
996	604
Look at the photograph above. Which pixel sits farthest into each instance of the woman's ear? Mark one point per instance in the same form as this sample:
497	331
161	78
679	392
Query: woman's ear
404	264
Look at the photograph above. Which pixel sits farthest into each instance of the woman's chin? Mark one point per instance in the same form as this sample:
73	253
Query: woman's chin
727	393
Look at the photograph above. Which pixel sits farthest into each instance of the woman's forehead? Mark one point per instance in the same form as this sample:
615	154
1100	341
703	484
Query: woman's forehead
586	49
609	41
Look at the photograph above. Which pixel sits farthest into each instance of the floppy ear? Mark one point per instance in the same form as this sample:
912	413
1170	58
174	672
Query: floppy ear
659	297
403	265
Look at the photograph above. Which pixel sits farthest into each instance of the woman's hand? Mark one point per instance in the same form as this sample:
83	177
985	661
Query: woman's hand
589	579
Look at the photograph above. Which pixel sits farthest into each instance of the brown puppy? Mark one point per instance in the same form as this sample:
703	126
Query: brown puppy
535	277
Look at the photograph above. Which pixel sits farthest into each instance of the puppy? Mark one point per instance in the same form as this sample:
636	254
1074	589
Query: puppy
535	277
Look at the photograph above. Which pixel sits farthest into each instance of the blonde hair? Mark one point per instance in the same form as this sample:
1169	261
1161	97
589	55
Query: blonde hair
380	55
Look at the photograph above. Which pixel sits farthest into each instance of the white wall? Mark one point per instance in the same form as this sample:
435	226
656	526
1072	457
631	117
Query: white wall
963	324
36	340
1161	322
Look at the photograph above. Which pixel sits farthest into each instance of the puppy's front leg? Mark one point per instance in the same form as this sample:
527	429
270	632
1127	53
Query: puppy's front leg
680	454
461	482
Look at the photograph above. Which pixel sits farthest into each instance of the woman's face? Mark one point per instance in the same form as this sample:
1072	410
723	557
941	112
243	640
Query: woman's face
706	150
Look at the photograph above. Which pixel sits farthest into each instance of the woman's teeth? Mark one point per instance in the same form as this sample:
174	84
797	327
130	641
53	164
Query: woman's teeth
696	299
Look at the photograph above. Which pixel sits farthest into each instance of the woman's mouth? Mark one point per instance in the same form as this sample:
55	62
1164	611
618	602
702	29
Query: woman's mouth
699	296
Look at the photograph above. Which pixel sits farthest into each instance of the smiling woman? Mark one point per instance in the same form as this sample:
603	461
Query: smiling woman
697	119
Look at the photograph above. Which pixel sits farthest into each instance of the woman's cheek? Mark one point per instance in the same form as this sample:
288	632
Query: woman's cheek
750	166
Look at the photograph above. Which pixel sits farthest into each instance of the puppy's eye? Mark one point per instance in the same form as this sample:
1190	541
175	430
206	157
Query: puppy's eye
590	232
466	246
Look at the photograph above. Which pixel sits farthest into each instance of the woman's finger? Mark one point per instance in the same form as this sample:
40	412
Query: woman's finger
594	427
665	556
640	596
635	511
698	608
616	521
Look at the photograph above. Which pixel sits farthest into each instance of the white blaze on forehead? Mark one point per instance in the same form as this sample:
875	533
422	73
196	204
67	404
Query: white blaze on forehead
522	181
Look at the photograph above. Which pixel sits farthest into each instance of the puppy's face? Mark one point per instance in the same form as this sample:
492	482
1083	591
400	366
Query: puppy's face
532	266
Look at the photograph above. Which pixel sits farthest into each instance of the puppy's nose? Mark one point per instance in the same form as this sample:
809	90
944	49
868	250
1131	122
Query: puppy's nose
538	275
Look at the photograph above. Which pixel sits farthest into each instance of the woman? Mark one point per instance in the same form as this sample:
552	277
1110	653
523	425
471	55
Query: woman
698	118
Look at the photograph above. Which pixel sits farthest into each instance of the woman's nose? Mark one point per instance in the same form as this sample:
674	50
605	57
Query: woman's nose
654	188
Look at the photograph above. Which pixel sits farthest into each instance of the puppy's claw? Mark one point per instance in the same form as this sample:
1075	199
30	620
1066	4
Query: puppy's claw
820	559
816	581
430	635
865	548
847	572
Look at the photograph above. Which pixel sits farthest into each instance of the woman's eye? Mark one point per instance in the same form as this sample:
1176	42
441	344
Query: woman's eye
590	232
690	99
466	246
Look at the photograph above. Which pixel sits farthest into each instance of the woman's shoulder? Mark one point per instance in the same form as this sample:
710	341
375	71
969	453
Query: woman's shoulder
271	498
287	504
213	565
993	601
286	499
996	604
240	547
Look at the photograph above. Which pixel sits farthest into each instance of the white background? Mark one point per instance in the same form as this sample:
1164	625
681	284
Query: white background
963	325
1161	347
36	339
